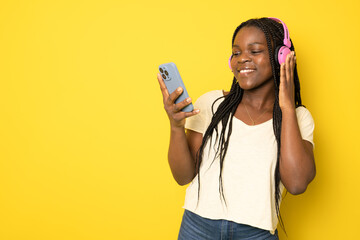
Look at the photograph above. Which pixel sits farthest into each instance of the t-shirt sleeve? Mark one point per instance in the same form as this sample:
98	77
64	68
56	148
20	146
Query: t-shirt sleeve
200	122
306	124
197	122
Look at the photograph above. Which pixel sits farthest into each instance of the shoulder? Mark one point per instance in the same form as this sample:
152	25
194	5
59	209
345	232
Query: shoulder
306	123
210	96
206	100
199	122
303	113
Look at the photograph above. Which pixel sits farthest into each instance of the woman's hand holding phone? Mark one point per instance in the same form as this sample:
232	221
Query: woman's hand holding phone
173	110
178	107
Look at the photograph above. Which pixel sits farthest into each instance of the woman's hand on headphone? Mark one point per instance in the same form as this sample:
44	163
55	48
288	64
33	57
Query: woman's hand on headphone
287	88
176	116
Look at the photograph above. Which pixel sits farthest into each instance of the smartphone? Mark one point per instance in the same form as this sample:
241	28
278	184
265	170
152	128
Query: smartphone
172	79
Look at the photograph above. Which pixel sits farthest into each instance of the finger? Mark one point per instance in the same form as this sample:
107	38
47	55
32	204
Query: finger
287	66
163	88
181	115
293	63
174	95
282	74
182	104
192	113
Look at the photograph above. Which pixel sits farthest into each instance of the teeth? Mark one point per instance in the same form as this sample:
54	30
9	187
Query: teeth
246	70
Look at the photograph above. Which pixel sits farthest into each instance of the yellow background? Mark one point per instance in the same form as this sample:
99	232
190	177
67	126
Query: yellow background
83	133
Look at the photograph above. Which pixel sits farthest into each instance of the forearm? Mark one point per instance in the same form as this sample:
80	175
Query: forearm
297	167
181	161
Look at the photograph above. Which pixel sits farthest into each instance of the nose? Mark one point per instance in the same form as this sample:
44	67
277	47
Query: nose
244	57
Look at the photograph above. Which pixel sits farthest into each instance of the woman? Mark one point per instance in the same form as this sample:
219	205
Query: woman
242	147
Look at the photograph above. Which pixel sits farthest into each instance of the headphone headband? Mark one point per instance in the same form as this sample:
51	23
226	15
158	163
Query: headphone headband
286	32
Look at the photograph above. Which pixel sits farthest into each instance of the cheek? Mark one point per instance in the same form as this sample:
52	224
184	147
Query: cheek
264	61
265	65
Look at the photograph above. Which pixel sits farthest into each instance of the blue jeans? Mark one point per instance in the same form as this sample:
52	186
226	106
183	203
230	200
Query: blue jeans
194	227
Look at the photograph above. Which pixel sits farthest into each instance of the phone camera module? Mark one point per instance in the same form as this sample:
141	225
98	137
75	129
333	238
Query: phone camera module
164	73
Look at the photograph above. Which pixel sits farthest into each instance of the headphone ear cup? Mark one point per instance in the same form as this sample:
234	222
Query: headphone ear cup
281	53
230	62
276	53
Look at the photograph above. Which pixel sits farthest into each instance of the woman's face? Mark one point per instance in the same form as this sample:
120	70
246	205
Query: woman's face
250	62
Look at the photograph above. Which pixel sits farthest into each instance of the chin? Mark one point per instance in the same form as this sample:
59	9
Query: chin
247	85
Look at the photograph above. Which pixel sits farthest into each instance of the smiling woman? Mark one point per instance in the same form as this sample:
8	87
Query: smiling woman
245	145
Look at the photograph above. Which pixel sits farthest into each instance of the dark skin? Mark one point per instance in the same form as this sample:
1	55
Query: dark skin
251	67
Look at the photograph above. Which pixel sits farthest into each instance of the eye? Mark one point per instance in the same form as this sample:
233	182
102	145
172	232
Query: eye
235	54
256	51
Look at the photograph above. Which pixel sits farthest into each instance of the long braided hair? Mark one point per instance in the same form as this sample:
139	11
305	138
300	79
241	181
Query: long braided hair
274	34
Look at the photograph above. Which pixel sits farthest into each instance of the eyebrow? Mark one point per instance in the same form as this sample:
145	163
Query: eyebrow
254	43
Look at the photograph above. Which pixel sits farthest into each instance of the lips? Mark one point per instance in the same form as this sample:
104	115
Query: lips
246	70
245	67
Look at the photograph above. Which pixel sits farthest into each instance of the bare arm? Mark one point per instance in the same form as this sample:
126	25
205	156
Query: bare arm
182	154
183	147
297	165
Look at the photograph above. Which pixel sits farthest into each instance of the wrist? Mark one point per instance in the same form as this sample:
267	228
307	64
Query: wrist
288	111
289	108
175	128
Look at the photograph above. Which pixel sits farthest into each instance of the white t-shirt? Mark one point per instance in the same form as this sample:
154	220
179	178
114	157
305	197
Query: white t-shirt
248	169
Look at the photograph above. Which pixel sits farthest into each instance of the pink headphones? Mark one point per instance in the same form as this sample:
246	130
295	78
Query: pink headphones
282	51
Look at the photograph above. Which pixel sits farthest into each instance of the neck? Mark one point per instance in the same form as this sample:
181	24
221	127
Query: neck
260	98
